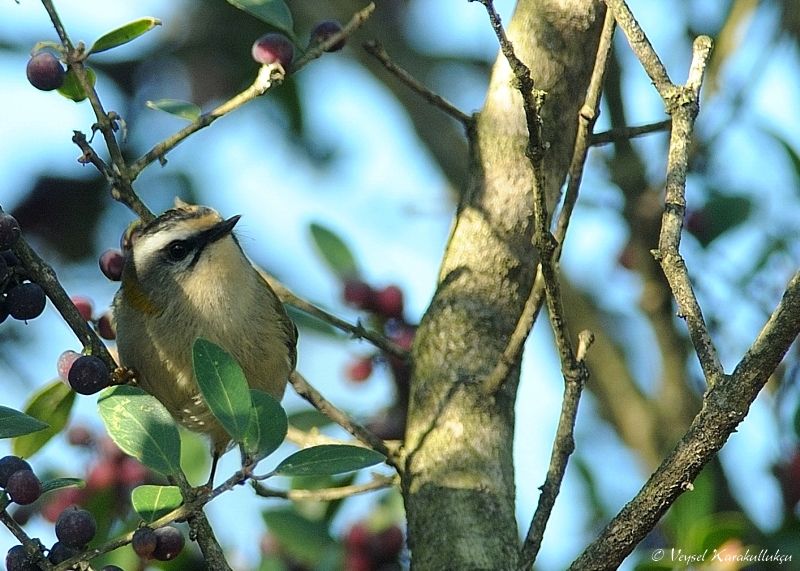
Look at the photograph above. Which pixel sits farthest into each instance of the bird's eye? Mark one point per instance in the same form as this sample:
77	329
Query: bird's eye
177	250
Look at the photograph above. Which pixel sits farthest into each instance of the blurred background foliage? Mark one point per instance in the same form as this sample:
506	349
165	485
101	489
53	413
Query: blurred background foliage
345	144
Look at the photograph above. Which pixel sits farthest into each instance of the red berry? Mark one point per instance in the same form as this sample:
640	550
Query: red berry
389	302
111	264
358	294
105	326
357	537
326	30
24	487
80	436
273	48
84	306
45	72
386	545
9	231
65	361
359	370
102	476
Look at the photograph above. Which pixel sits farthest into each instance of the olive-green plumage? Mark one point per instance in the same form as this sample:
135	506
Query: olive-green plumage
186	277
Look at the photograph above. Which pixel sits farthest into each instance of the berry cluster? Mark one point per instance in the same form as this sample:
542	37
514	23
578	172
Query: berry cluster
277	48
45	72
162	544
74	527
20	298
386	306
367	550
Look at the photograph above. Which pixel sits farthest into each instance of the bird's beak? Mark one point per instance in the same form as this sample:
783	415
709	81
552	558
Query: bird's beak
220	230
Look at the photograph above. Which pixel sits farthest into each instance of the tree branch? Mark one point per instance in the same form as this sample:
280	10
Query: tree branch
725	405
376	50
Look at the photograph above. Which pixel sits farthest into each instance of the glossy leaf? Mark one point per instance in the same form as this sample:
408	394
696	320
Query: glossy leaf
328	459
15	423
140	425
182	109
335	252
268	425
223	386
71	89
153	502
124	34
53	404
304	539
274	12
59	483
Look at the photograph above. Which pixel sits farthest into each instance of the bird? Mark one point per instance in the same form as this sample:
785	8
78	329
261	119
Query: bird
186	276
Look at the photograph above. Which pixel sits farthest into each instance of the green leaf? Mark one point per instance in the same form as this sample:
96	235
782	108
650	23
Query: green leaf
268	425
182	109
721	213
153	502
305	540
335	252
123	34
71	88
52	403
58	483
274	12
309	418
328	459
140	425
15	423
224	387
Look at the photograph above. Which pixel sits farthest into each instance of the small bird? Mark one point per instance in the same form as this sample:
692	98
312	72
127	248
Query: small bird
186	276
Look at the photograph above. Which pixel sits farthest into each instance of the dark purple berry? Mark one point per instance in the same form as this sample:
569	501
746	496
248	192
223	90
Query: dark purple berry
88	375
5	270
45	72
60	552
9	231
17	559
111	264
273	48
24	487
326	30
359	294
169	543
9	465
144	542
25	301
75	527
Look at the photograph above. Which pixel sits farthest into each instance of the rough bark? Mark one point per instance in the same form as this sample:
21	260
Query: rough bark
459	478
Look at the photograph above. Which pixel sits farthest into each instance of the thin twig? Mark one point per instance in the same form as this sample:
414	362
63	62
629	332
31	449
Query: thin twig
43	274
641	47
684	111
313	396
626	133
377	50
267	76
326	494
358	331
725	405
121	189
574	377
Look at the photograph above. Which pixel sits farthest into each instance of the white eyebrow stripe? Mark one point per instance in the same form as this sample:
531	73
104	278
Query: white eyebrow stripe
149	245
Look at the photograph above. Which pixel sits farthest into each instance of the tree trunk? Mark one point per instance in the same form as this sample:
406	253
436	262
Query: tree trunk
459	479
